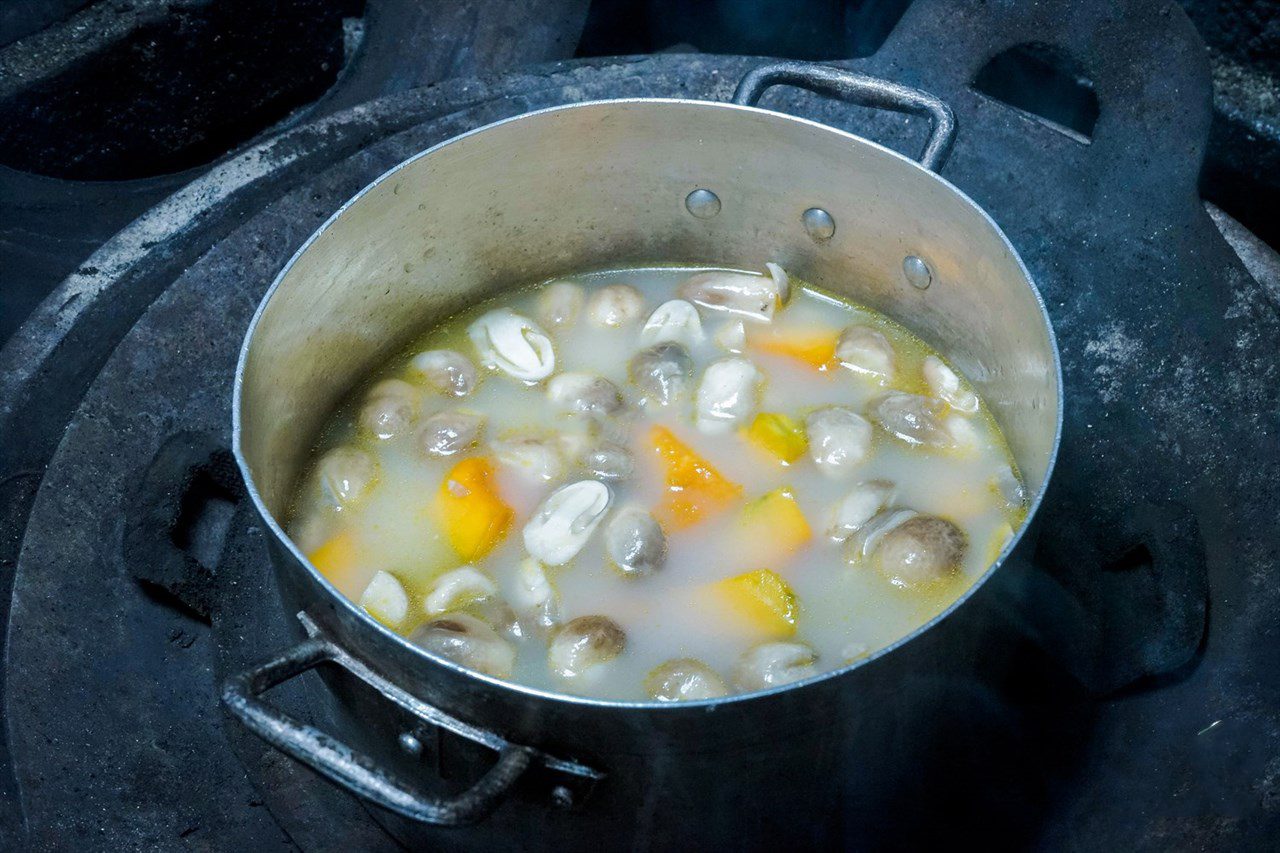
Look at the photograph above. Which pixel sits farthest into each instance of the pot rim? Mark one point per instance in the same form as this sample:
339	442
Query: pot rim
528	691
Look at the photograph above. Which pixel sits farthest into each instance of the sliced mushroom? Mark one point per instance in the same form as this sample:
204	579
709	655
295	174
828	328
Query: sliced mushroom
583	644
565	520
865	350
346	475
514	344
864	541
584	394
912	418
385	599
946	386
457	589
684	680
466	640
615	306
559	305
839	439
858	507
1005	483
674	321
635	543
534	596
921	549
449	433
662	373
447	371
389	409
727	395
536	459
732	336
609	461
752	297
772	664
964	435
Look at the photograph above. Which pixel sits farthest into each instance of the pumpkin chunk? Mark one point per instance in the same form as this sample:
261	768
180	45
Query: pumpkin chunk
814	347
763	600
772	528
472	513
695	489
780	435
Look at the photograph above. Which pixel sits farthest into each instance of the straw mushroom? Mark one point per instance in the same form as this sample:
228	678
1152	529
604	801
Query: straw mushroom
615	305
467	640
866	351
584	394
674	321
449	433
945	385
773	664
534	458
447	371
921	549
684	680
514	344
559	305
912	418
389	409
727	394
839	439
635	543
534	597
385	599
583	645
858	507
662	373
456	589
565	520
751	297
346	475
608	460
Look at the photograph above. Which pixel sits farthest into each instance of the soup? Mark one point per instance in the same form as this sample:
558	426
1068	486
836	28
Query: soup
659	484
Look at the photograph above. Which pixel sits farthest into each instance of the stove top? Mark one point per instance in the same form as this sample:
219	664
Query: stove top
1143	709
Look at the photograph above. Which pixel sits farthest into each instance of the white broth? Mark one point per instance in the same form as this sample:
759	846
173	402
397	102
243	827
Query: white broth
423	501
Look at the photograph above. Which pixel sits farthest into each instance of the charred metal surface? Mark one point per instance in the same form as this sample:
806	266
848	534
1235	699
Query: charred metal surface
121	104
1168	347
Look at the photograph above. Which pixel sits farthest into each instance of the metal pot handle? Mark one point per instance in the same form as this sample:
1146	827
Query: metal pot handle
858	89
357	772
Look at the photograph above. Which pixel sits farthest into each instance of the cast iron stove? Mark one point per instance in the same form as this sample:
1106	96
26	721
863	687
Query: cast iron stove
1143	708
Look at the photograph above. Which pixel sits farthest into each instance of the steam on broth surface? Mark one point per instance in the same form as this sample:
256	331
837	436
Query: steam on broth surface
664	484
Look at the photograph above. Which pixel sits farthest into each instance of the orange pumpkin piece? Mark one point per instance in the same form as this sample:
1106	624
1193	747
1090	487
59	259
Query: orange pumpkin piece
772	528
472	513
695	489
762	600
780	435
816	348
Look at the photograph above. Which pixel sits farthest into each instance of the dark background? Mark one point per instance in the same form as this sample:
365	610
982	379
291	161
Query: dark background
108	106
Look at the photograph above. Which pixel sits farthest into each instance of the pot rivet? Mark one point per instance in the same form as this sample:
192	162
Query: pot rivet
703	204
917	272
410	743
819	224
562	796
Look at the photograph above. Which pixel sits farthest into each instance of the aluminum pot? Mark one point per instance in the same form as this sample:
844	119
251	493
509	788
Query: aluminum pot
599	185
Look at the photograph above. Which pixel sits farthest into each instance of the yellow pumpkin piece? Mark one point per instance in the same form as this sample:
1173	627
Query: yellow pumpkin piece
472	513
695	489
763	600
337	558
999	538
772	527
781	435
816	348
336	555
